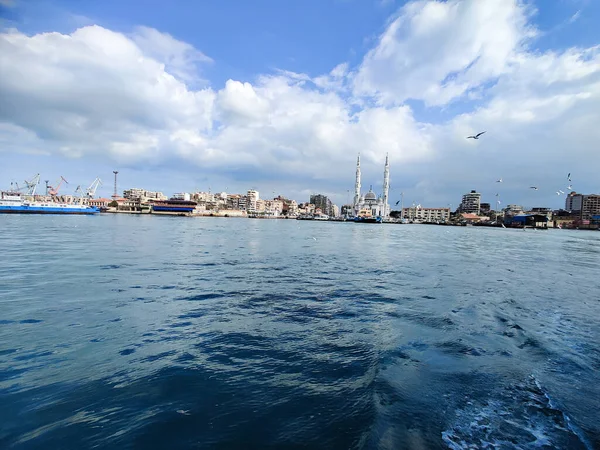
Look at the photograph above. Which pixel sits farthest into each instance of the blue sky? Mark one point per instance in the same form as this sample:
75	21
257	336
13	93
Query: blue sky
295	127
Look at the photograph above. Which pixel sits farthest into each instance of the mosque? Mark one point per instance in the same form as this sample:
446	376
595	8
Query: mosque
378	205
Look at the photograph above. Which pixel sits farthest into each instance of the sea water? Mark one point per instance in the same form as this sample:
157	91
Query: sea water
121	331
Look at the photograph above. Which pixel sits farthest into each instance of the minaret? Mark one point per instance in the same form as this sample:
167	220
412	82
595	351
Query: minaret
386	186
357	184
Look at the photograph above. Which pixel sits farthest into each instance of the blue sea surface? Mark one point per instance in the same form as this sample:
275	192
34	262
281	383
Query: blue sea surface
143	332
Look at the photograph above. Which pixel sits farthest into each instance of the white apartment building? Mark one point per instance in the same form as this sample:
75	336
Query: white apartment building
471	203
273	207
182	196
419	214
253	198
143	195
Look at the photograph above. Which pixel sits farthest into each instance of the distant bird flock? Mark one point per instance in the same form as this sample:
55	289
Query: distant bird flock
535	188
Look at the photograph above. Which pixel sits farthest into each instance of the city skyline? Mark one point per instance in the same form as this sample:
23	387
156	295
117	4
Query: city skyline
265	103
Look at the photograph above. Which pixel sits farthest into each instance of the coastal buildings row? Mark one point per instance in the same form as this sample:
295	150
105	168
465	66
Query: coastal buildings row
580	210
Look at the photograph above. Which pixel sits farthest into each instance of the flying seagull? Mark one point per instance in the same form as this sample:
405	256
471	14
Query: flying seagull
569	187
557	192
499	181
562	192
397	202
533	187
476	136
569	177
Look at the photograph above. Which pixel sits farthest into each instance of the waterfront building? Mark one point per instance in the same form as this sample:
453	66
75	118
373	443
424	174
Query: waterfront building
378	206
585	206
541	211
306	209
273	207
512	210
203	197
473	218
335	210
181	196
99	202
573	202
259	206
252	199
484	208
419	214
347	211
143	195
236	201
322	202
471	203
590	207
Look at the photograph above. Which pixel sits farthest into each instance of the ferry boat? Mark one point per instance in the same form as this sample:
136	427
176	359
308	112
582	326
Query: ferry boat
15	203
365	216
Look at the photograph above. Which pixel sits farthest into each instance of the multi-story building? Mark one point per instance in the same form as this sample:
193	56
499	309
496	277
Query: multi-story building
322	202
273	207
259	206
347	210
182	196
290	207
585	206
590	207
485	208
143	195
471	203
416	213
306	208
573	202
335	211
252	197
203	197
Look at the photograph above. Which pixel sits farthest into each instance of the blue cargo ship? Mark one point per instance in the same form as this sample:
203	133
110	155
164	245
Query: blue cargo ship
14	203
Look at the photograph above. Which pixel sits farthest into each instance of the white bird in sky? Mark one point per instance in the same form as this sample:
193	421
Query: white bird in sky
533	187
569	187
562	192
569	177
499	181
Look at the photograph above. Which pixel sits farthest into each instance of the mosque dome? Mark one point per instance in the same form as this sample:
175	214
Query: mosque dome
370	196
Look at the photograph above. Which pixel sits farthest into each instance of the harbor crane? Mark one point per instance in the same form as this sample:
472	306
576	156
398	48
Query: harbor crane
79	191
32	184
91	191
54	190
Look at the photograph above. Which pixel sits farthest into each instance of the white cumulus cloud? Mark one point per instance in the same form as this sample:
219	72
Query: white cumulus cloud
139	99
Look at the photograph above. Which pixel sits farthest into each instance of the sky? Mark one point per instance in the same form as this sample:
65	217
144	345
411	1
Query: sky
281	97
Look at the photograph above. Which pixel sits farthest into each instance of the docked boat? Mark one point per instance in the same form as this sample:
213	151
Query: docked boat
174	206
15	203
365	216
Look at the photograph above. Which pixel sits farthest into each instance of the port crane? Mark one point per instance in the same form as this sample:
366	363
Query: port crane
91	191
32	184
53	191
